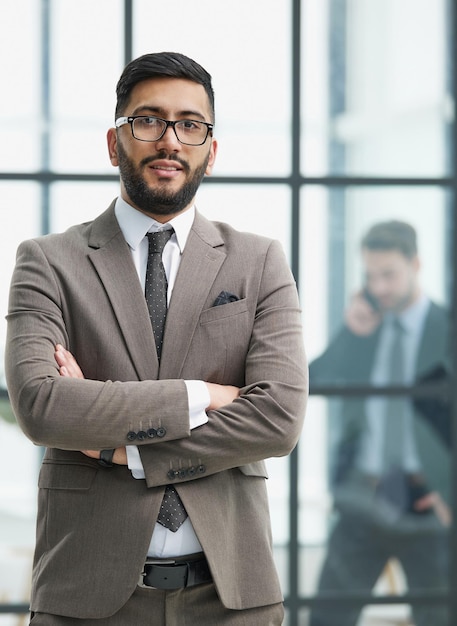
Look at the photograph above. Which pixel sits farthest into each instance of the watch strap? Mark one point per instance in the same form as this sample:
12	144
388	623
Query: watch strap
106	458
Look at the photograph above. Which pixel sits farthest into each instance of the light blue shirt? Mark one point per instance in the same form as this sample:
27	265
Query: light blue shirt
371	457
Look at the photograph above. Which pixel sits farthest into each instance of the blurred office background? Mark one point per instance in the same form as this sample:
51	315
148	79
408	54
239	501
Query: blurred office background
330	115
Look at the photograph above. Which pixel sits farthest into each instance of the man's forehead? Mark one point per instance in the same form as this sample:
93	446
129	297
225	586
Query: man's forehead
383	253
170	94
385	261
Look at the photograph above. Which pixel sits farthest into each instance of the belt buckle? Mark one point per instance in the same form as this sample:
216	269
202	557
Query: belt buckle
141	582
152	561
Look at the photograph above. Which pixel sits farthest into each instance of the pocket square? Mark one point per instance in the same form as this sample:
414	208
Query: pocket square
224	298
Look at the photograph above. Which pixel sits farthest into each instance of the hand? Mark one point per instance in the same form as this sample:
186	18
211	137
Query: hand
220	395
434	501
360	316
69	368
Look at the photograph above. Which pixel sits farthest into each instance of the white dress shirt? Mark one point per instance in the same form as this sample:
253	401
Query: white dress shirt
371	457
134	226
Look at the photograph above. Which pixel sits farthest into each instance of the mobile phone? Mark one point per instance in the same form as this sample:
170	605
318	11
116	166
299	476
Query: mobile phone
371	299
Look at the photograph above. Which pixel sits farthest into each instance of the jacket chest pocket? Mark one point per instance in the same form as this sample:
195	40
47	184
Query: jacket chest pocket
221	342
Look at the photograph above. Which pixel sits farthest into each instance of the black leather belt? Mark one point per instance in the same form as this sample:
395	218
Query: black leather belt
177	573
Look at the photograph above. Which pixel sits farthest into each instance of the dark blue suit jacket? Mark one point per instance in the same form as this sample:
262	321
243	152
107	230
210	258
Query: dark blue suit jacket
349	360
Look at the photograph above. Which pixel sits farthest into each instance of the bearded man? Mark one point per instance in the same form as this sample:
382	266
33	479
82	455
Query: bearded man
158	357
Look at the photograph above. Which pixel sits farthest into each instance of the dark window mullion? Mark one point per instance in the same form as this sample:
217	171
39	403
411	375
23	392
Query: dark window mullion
45	112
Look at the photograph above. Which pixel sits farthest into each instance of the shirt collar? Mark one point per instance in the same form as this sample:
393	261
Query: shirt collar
413	317
134	224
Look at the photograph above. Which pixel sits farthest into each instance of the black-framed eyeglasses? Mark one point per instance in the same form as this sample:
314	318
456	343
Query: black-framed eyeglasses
151	128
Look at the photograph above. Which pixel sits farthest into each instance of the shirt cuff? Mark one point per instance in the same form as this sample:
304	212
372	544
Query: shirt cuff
198	400
134	462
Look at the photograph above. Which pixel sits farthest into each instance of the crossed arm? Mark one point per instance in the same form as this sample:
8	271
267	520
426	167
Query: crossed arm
220	395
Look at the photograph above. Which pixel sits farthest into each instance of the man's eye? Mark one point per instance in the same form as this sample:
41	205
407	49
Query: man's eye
190	125
148	121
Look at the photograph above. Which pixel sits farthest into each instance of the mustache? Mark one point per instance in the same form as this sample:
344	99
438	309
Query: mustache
163	155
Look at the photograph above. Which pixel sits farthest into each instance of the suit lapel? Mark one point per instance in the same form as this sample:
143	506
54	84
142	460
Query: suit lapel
201	260
113	263
432	348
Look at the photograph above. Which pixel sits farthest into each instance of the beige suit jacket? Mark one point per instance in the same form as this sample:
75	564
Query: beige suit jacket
80	288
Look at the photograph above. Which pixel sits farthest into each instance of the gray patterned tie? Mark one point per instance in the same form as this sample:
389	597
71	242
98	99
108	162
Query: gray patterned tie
156	285
396	405
172	512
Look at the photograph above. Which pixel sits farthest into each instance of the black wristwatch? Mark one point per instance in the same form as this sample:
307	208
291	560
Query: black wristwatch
106	458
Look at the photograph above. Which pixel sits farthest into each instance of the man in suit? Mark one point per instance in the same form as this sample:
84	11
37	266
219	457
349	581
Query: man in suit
152	500
392	464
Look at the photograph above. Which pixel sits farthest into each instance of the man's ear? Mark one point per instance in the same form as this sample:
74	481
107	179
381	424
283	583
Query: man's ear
212	157
111	138
416	263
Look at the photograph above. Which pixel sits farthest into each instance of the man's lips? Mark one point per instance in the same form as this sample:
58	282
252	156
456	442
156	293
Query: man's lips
168	166
164	168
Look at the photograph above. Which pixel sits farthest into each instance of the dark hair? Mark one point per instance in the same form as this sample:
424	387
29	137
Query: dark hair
159	65
393	235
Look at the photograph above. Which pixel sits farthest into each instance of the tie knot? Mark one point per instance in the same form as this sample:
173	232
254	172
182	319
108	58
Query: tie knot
158	240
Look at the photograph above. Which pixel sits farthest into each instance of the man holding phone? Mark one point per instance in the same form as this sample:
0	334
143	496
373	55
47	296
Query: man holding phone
391	471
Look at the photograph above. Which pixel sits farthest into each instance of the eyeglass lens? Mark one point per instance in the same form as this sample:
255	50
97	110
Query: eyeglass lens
152	128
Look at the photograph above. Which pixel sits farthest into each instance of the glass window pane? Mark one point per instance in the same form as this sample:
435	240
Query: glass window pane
20	52
278	496
376	97
75	203
372	615
333	222
18	496
25	199
389	613
382	534
251	75
314	497
87	59
261	209
17	510
376	469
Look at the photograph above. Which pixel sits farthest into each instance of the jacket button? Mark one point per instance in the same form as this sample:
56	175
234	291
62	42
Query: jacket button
191	471
182	473
151	432
172	474
142	435
131	435
201	469
161	432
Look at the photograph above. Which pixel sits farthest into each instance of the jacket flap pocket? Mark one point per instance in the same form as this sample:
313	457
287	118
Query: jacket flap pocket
58	476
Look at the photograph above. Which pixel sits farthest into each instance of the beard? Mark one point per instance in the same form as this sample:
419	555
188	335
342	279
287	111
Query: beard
398	303
158	201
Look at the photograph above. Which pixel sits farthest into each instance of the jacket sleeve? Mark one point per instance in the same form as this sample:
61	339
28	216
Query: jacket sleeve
73	414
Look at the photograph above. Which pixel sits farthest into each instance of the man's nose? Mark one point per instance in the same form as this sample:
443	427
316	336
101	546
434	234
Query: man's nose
379	288
169	140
